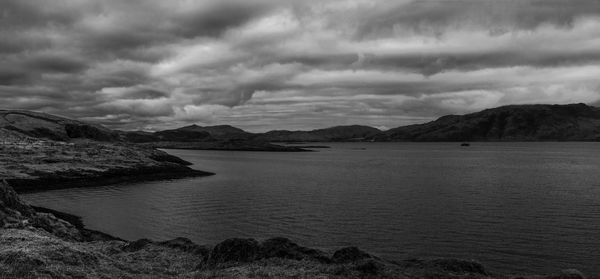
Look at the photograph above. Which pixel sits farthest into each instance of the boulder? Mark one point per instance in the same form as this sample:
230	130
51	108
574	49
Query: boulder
459	266
368	266
281	247
14	213
247	250
10	200
186	245
234	250
137	245
56	226
349	254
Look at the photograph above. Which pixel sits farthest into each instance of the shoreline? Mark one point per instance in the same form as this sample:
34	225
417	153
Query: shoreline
111	177
226	146
77	222
281	257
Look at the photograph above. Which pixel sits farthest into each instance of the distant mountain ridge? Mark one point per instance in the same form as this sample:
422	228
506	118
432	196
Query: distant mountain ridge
337	133
573	122
218	130
189	133
229	133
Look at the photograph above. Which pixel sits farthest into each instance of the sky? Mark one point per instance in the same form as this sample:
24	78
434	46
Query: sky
282	64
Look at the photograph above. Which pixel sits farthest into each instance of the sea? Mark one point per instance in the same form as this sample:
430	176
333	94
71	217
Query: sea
518	208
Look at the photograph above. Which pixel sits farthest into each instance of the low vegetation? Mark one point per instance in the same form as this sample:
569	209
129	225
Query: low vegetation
32	164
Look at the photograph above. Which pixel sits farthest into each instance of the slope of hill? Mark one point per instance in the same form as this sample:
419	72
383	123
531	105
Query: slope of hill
338	133
41	151
203	134
183	135
574	122
41	125
221	137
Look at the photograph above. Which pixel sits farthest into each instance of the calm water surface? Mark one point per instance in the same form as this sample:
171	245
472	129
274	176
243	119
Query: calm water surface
516	207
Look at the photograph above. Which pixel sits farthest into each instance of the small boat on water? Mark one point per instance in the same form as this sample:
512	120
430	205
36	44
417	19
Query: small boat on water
465	144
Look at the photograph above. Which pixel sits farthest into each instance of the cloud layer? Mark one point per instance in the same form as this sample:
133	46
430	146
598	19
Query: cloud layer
272	64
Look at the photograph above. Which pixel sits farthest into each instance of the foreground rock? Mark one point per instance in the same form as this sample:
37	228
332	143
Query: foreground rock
237	250
16	214
38	254
30	254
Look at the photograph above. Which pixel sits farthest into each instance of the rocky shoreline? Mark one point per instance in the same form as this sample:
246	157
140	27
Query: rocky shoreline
72	179
43	243
257	146
31	164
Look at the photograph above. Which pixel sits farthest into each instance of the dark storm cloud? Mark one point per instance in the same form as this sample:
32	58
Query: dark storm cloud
18	14
435	63
55	63
217	17
156	64
145	93
10	76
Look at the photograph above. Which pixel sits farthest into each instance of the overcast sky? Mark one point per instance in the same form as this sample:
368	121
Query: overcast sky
276	64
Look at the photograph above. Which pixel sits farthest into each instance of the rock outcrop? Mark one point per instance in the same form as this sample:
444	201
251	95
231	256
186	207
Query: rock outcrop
14	213
349	254
281	247
11	204
38	254
238	250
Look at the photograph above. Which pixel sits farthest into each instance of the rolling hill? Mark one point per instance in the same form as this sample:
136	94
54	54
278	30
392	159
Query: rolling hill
574	122
41	125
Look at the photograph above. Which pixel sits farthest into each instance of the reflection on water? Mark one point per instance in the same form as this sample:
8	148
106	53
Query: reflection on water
516	207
